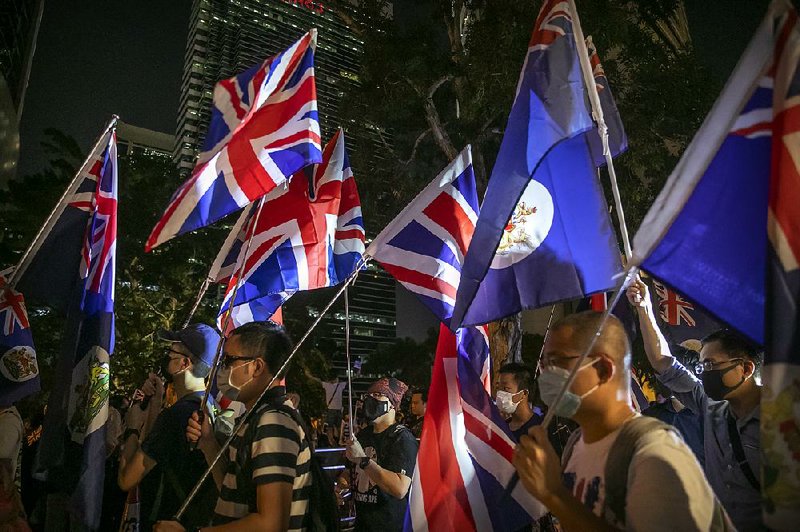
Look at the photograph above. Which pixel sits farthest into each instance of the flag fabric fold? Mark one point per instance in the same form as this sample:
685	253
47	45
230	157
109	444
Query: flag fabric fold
308	235
72	451
264	128
19	370
544	234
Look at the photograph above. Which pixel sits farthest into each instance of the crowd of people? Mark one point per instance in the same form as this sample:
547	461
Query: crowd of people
691	462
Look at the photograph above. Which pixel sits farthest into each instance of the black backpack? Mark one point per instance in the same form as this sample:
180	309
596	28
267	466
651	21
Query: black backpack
323	510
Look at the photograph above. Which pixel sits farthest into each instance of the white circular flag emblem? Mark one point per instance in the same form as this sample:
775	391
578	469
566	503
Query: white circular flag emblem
528	227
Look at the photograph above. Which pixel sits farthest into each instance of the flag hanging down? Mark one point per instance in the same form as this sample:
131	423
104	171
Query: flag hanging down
72	452
19	371
464	460
725	231
617	139
544	233
264	128
308	235
424	246
682	322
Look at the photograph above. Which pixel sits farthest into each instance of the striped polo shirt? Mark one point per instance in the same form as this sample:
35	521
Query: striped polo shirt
279	453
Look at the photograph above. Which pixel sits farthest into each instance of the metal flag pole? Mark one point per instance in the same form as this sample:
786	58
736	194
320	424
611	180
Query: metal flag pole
51	220
228	315
347	354
551	411
275	377
213	272
602	128
546	334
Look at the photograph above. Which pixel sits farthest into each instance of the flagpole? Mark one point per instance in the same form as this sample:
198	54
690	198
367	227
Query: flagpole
602	128
275	377
228	315
347	353
546	334
51	220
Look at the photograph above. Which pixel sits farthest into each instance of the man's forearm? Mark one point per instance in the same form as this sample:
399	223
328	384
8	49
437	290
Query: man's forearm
210	451
388	481
573	515
655	344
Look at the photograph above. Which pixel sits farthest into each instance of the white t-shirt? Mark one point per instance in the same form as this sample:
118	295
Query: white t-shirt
11	432
333	394
666	486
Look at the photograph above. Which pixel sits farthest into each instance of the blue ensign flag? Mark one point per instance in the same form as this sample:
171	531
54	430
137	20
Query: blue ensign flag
544	233
72	451
19	371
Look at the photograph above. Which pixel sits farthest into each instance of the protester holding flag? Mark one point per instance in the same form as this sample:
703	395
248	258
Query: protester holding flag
513	398
267	480
620	469
728	398
163	465
384	455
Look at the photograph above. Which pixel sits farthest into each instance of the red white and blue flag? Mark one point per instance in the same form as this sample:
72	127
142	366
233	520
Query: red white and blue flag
264	128
81	239
544	234
19	370
308	235
424	246
466	446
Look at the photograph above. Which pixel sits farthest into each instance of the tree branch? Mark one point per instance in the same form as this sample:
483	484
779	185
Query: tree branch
416	145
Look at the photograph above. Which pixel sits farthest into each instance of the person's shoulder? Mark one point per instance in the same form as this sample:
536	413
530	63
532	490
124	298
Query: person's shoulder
664	444
402	434
278	415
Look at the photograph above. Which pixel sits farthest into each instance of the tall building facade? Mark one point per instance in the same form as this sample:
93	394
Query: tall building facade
229	36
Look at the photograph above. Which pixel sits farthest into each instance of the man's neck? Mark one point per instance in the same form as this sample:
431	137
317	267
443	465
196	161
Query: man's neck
743	404
182	389
382	424
598	425
521	415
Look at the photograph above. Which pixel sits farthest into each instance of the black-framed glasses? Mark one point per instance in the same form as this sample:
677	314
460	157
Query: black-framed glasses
710	365
228	360
170	352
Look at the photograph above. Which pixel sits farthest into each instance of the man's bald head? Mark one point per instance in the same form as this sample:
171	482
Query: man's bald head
579	329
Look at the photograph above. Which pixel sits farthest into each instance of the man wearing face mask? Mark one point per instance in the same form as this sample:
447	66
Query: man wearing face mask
384	454
164	464
727	397
513	398
620	470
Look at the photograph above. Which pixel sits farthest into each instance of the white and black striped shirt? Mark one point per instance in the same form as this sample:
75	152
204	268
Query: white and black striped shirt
279	453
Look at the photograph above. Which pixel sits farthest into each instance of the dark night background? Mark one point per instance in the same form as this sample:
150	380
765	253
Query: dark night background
95	58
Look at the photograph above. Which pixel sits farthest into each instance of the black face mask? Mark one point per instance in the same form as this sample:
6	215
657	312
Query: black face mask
713	385
374	408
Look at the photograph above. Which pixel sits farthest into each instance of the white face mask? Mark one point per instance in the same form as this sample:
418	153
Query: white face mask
224	384
505	402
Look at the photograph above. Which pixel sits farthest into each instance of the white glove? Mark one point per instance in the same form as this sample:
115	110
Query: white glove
355	452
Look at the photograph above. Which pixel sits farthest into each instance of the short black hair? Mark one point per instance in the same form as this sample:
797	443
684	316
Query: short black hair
735	345
421	391
522	375
267	340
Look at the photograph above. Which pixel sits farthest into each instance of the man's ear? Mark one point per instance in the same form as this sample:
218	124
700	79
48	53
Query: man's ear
186	363
605	369
259	367
749	368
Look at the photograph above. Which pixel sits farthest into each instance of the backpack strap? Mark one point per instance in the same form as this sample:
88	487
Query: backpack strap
738	452
570	446
619	460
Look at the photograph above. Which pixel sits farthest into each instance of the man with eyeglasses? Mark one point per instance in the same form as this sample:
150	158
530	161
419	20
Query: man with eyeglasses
384	455
727	396
620	470
164	465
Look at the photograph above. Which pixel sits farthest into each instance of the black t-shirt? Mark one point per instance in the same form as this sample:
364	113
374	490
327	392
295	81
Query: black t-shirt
394	449
178	469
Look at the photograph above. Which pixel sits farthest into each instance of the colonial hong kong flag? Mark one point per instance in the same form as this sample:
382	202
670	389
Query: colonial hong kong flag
725	232
424	246
19	371
264	128
544	233
308	235
72	452
464	460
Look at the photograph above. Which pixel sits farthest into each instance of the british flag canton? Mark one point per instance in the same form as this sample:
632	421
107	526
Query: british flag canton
682	322
19	371
617	138
264	128
308	235
424	246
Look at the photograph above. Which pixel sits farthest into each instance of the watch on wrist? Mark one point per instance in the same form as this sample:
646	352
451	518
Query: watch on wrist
364	462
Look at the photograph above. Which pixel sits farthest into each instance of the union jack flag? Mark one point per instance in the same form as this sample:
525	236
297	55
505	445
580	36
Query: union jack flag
466	446
19	373
308	235
264	128
424	246
13	315
674	309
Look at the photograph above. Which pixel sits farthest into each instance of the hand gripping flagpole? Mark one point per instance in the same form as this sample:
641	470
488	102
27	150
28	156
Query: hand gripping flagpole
275	377
51	220
630	275
602	128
